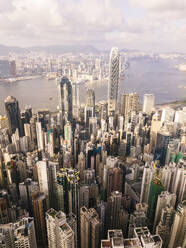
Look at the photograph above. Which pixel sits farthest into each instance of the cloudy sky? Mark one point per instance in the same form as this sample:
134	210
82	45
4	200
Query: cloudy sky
151	25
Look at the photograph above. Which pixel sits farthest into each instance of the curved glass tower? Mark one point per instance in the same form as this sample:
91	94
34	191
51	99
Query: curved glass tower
114	67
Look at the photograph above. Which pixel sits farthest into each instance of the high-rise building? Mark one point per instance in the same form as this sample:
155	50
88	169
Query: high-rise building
20	234
162	142
156	188
75	99
178	230
114	67
90	228
65	99
90	98
40	137
68	183
26	189
114	208
60	234
146	181
13	114
164	199
114	180
129	102
164	226
148	103
39	205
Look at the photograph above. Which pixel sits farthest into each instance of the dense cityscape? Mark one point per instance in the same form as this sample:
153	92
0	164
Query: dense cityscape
98	174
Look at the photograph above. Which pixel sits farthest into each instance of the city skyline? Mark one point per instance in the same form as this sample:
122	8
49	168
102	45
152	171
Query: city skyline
155	26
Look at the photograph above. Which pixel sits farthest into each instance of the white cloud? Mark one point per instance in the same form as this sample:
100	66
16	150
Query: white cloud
98	22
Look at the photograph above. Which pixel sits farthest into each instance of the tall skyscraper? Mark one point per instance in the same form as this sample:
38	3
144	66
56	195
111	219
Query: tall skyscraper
114	208
39	208
114	67
164	199
148	103
90	228
68	183
59	232
13	114
156	188
146	181
65	99
178	231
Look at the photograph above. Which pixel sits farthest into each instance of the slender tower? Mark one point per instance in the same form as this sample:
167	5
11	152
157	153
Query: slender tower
114	66
65	99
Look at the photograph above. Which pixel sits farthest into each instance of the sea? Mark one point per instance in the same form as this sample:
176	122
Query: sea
144	75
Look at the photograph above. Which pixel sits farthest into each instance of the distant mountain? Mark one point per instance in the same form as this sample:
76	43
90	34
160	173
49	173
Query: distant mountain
55	49
59	49
5	50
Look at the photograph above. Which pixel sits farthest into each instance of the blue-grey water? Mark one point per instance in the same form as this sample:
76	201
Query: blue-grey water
143	76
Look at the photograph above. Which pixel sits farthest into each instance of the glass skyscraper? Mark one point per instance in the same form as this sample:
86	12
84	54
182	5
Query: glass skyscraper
114	66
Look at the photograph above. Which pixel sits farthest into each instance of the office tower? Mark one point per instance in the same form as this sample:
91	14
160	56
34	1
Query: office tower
114	66
148	103
90	228
90	98
114	180
42	177
129	102
146	239
164	199
68	133
13	114
75	99
167	115
146	181
48	181
81	164
88	113
20	234
39	205
26	189
156	188
68	181
65	99
59	232
40	137
178	230
162	142
114	208
164	226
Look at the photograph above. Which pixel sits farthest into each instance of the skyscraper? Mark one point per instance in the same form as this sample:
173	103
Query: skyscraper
90	228
39	209
156	188
128	103
114	66
178	231
13	114
65	99
59	232
148	103
90	98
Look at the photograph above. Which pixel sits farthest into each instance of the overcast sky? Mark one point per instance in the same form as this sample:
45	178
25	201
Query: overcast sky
151	25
